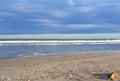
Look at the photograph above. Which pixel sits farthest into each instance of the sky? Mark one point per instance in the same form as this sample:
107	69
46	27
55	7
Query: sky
59	17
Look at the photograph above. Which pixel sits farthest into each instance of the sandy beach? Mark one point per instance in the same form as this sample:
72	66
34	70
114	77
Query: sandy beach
81	67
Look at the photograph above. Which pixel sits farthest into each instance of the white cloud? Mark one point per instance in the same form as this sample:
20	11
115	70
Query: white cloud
86	9
41	20
6	13
72	26
46	22
82	26
23	7
27	6
90	5
54	25
71	2
60	14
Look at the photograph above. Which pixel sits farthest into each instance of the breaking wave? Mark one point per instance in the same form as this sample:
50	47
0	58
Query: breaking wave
57	42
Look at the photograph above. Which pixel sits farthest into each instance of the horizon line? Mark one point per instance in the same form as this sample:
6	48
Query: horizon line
63	36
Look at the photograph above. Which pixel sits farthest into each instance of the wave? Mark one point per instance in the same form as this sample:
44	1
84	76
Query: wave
29	54
58	42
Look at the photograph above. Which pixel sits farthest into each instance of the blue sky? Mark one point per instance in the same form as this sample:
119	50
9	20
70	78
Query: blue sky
59	16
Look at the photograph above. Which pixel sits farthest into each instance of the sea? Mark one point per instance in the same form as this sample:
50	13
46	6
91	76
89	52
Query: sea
23	48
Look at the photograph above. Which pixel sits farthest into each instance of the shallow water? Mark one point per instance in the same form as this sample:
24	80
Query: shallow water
20	50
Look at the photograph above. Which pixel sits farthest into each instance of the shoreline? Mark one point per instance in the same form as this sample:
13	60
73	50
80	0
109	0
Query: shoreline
63	54
78	67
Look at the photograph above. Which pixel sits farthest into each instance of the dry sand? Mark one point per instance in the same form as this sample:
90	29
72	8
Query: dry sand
82	67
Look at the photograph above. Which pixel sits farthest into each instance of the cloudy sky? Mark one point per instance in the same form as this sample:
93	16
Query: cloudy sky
59	16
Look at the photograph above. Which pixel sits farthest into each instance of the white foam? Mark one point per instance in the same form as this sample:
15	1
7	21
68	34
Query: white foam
58	42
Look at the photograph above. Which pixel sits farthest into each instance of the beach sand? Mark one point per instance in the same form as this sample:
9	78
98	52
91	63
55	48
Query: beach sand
78	67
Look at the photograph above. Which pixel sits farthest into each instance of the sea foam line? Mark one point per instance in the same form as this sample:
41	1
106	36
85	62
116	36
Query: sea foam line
58	42
63	41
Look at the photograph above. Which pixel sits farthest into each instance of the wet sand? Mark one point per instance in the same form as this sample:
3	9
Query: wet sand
81	67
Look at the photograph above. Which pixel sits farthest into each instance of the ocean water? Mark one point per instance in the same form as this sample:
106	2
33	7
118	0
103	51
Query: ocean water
11	49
